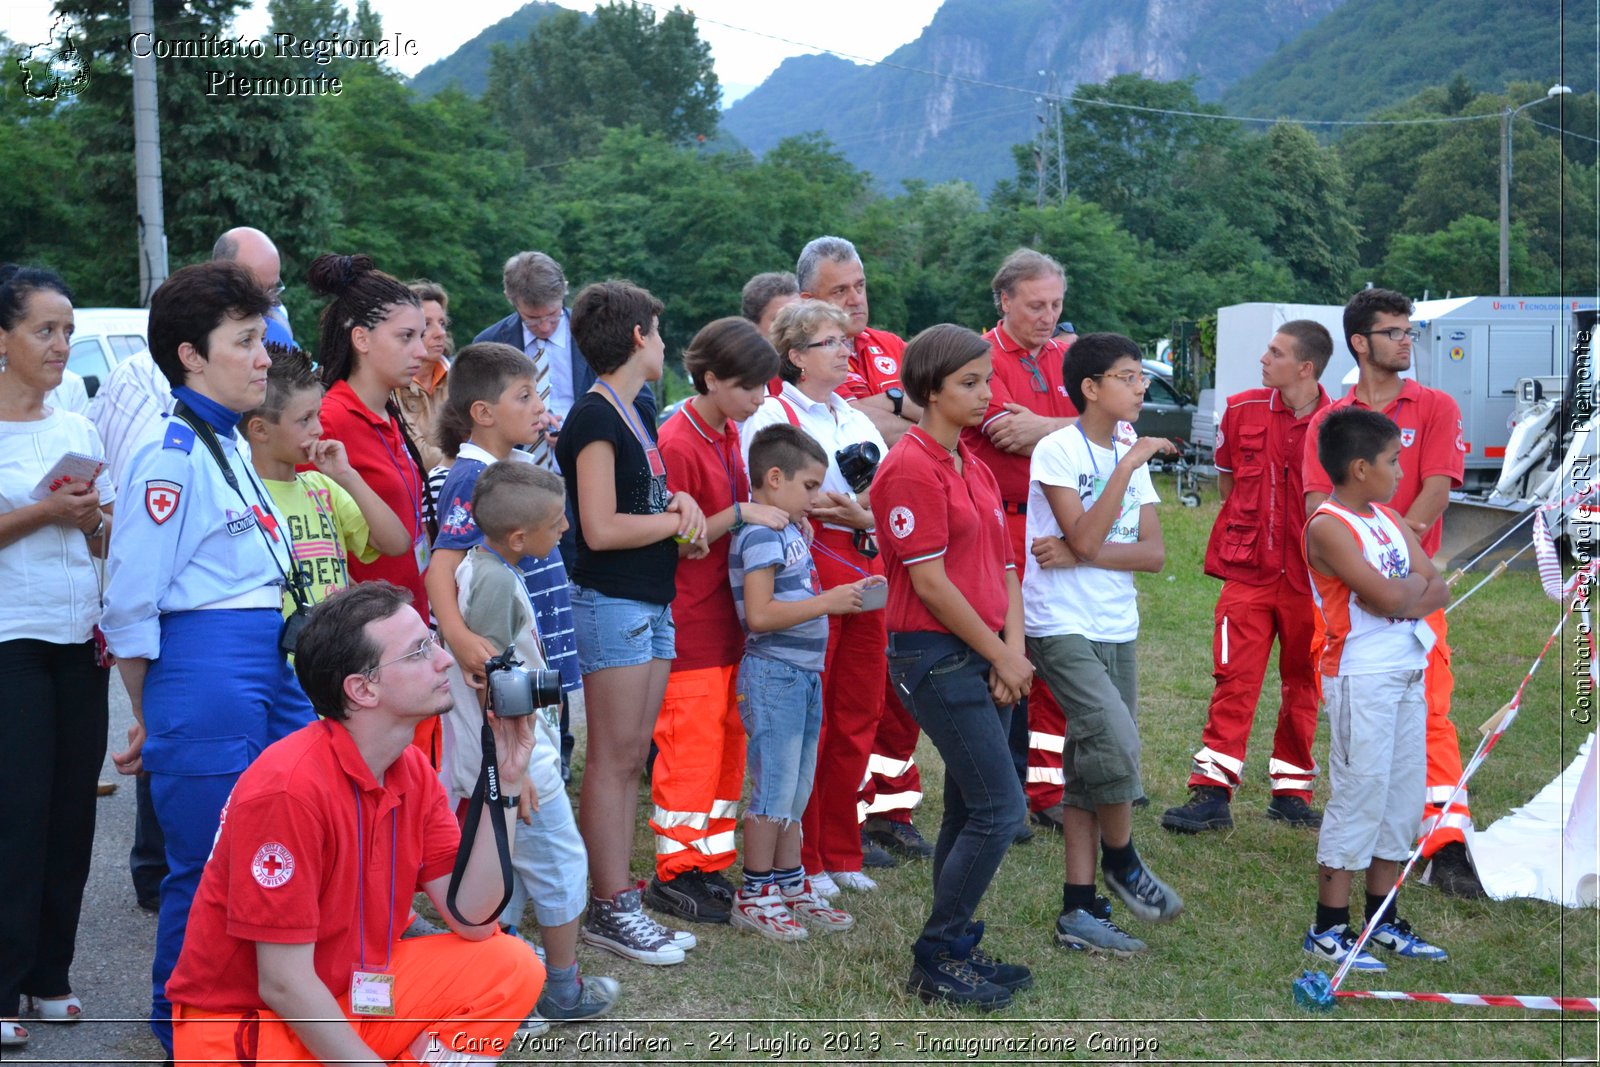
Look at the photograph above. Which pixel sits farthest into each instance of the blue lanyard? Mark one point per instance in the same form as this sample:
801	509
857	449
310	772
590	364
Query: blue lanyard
361	879
637	430
411	494
818	546
1090	445
733	486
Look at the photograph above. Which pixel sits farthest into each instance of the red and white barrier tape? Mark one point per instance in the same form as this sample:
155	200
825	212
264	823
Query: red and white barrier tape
1473	1000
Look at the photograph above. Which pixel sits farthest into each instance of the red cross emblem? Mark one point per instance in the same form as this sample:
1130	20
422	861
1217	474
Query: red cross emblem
161	500
273	865
902	522
266	519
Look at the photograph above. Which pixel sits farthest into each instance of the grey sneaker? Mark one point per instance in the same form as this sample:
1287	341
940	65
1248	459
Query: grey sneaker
596	996
1077	929
620	925
1146	896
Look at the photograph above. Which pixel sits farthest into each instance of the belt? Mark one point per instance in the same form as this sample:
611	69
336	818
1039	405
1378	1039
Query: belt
1016	509
266	596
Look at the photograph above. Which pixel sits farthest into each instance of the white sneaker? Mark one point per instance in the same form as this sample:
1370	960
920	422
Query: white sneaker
823	885
851	880
765	913
812	911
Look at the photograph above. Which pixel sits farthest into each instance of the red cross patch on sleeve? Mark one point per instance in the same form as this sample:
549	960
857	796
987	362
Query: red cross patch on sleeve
902	522
272	866
161	500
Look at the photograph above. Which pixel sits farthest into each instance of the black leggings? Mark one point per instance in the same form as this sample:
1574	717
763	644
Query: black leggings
55	741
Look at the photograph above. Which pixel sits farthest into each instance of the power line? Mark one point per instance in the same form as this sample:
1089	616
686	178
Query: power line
1564	132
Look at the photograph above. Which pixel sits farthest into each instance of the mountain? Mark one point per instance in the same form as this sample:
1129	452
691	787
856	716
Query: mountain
468	66
1372	53
951	103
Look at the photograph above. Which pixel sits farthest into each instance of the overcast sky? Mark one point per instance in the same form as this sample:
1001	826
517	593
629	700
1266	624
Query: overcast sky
744	48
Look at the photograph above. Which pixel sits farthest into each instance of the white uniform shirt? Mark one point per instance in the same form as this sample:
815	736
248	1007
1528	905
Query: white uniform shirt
834	424
129	407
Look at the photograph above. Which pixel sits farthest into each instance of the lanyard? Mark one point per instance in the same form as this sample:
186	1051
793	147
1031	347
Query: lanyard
1090	445
818	546
400	472
652	457
361	887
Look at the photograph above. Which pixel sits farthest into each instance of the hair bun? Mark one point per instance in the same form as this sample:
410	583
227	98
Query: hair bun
332	274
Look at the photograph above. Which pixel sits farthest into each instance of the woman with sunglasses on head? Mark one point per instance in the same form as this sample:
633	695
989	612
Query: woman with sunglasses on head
55	684
812	343
1028	400
195	584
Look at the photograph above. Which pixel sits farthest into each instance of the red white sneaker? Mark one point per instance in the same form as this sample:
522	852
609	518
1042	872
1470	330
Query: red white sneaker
766	914
814	912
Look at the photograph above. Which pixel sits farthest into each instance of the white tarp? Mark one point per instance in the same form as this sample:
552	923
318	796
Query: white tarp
1547	848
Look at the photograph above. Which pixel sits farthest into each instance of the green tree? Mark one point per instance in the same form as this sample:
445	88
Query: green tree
573	79
1460	260
1305	212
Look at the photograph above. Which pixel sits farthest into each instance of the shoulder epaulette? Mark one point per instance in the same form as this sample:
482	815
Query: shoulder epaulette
180	435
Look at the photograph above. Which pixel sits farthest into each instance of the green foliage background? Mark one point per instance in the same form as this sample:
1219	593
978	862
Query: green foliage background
611	161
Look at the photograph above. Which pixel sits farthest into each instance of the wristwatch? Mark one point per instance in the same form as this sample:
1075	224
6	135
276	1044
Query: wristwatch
509	803
897	397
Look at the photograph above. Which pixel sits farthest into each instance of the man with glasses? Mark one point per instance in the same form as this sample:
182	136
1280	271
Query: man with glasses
541	326
295	954
1378	331
255	250
1028	401
1256	550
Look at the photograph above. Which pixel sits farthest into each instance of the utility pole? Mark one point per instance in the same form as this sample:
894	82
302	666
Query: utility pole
1507	114
1049	160
147	157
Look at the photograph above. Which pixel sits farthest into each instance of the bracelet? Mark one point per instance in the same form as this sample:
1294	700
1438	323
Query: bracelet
738	517
98	530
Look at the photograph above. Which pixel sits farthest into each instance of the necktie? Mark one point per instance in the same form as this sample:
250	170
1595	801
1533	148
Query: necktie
541	451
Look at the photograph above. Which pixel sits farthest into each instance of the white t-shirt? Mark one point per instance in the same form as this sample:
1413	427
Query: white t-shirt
833	423
52	589
1088	600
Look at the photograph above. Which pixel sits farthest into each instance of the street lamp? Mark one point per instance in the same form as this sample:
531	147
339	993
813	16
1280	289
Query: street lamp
1506	115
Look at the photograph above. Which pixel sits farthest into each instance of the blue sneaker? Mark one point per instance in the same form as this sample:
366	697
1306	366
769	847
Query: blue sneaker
1399	938
1147	896
1335	943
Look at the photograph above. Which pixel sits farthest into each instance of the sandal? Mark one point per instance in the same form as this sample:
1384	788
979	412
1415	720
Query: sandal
68	1009
12	1033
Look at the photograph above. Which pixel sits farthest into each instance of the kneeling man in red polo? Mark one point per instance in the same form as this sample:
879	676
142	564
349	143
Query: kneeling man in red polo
293	953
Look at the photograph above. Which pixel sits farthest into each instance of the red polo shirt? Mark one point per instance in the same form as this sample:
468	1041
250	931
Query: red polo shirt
1013	383
874	365
378	453
925	509
705	463
1431	443
306	835
1257	538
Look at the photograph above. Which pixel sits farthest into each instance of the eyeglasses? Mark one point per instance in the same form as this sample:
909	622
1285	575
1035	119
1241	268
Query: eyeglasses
830	342
1038	383
276	292
1130	378
424	650
1395	333
540	320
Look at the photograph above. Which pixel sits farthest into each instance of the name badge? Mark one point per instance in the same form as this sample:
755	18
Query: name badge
371	993
1424	635
419	549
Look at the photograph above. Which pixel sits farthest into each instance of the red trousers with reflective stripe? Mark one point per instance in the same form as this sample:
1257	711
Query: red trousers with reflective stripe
1047	725
888	795
1248	619
1444	749
699	772
853	681
449	995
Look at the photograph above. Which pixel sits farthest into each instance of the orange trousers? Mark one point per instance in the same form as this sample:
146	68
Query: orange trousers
1444	749
456	1001
699	772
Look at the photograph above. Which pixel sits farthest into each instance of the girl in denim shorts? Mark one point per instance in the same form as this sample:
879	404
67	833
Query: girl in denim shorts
629	533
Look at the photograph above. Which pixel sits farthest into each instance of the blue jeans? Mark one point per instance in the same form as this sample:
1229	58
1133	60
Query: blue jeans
781	708
616	632
945	687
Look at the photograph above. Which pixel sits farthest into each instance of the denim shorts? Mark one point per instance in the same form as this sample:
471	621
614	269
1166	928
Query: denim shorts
616	632
781	708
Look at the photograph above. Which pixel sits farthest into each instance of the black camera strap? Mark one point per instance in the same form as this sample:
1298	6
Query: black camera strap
208	437
485	794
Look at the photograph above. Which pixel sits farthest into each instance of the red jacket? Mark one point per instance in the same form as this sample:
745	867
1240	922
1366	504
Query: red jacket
1256	539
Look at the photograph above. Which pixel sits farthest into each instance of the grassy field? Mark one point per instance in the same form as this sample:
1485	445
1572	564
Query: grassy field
1215	986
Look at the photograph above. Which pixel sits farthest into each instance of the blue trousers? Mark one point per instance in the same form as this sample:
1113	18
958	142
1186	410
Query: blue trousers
945	687
219	693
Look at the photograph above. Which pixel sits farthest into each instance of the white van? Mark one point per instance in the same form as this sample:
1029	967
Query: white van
104	337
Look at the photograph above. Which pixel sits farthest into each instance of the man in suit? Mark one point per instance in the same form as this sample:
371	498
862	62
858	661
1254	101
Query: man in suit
541	326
